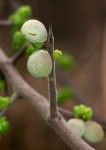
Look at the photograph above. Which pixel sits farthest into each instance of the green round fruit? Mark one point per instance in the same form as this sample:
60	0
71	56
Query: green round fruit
40	64
77	126
34	31
93	132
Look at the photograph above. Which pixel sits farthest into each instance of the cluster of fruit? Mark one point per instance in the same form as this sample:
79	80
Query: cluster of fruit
82	126
39	63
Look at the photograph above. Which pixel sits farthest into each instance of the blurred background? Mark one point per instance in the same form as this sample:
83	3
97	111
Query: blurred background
79	28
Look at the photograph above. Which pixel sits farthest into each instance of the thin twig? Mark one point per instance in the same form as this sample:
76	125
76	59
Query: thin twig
14	4
52	78
5	23
66	113
13	97
18	55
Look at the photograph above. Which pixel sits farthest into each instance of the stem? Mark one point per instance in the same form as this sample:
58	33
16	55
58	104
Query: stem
18	55
13	97
66	113
14	4
52	78
5	23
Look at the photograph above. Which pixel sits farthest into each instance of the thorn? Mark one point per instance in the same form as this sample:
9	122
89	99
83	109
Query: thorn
50	41
50	37
50	30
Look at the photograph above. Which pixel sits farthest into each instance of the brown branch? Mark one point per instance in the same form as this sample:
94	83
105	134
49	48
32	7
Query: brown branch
52	78
40	104
61	128
66	113
13	97
18	55
14	4
5	23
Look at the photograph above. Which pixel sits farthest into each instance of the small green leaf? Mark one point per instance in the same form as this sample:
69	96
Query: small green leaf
17	20
66	62
4	102
57	54
20	16
29	51
83	112
18	41
87	114
33	48
38	46
2	85
4	125
25	11
65	94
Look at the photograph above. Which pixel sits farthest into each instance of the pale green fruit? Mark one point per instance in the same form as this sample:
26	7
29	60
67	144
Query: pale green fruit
34	31
93	132
40	64
77	126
